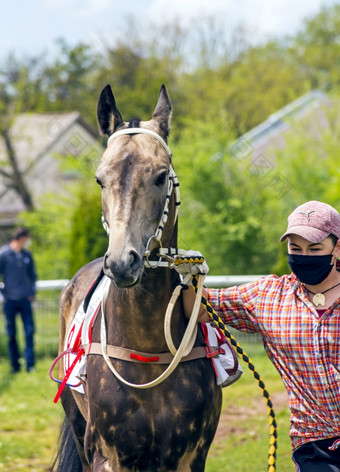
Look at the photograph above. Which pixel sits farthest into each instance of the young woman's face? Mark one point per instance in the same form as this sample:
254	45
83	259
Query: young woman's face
300	246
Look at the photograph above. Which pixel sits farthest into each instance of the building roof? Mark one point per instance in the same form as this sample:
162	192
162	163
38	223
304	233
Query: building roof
34	134
270	132
36	139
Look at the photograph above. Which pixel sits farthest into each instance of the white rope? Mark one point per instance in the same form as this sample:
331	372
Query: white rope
167	322
187	339
123	132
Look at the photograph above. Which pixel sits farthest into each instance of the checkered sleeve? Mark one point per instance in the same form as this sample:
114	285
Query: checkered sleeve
237	306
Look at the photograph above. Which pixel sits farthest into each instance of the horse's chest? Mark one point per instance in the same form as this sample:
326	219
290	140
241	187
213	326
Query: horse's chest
188	388
157	421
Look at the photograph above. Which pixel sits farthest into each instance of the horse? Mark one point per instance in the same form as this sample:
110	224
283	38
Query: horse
115	426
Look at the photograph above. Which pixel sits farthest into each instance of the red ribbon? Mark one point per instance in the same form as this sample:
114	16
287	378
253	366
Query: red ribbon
143	359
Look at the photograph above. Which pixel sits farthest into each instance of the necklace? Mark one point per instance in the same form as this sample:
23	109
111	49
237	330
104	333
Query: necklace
319	298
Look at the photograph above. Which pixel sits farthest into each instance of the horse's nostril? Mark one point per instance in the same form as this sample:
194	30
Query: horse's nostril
134	260
105	261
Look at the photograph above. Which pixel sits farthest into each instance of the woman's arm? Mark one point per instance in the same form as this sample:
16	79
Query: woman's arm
189	297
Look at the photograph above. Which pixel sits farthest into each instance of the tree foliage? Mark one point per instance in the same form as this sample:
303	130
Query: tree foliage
220	86
50	226
317	48
88	240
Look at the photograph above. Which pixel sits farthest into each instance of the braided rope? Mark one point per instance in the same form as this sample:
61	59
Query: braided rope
188	260
240	351
182	259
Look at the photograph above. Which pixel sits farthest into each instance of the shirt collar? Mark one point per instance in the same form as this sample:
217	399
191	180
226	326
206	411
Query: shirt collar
296	284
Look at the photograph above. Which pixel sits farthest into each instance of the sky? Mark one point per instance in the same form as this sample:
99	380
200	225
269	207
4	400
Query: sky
30	27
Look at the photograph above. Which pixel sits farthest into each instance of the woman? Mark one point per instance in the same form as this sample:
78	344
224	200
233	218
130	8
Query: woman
298	316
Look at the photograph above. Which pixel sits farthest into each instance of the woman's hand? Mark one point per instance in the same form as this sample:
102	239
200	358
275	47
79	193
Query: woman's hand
188	269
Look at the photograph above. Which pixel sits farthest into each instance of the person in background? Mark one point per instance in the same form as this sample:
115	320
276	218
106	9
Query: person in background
19	278
298	316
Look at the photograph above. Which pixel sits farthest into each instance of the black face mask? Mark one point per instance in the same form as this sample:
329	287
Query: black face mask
310	270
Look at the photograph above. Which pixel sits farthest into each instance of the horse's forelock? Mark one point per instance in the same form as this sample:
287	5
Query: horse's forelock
134	123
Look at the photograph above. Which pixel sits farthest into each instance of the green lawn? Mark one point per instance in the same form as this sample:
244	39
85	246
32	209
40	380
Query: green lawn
242	440
29	422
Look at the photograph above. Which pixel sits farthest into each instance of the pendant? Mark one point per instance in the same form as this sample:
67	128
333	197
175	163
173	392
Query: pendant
319	299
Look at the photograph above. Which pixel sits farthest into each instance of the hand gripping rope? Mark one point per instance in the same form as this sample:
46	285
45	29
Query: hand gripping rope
240	351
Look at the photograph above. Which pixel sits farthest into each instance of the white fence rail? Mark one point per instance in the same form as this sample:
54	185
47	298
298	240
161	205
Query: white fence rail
213	281
46	309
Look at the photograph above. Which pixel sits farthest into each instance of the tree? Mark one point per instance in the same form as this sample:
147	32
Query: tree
69	82
244	91
13	177
317	48
220	88
310	164
87	240
21	85
222	213
11	172
50	227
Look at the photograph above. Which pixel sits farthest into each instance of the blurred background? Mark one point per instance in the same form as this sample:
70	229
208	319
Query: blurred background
255	132
255	89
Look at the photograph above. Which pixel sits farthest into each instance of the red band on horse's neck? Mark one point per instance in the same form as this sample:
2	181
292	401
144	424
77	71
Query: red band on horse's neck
142	358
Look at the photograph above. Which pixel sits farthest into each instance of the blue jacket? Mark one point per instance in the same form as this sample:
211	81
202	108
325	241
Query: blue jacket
18	273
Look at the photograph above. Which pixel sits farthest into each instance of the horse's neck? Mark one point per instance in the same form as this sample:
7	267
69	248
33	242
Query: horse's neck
137	315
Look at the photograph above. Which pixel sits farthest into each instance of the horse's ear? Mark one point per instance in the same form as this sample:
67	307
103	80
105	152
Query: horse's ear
108	114
163	111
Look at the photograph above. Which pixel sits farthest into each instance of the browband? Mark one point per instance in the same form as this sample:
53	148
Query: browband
123	132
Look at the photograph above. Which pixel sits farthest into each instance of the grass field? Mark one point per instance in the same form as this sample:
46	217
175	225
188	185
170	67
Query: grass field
242	439
29	422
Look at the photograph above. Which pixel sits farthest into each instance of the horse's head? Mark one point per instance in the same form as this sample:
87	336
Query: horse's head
134	176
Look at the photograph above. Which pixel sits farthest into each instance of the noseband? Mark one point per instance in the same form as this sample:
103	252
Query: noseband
172	185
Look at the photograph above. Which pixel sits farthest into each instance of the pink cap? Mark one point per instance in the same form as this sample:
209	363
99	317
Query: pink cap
313	221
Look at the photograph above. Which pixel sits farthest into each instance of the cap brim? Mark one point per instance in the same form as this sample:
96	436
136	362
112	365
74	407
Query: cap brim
313	235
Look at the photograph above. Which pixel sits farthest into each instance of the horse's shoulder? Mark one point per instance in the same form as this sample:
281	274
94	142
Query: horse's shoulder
76	289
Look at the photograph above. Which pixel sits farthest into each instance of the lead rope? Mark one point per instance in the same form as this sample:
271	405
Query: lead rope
240	351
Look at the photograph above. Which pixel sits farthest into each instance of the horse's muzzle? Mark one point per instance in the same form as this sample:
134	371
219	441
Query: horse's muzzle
125	272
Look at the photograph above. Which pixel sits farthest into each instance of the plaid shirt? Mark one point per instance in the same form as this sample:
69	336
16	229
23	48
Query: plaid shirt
304	347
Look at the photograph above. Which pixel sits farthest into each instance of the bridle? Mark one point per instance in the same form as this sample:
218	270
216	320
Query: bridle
190	334
173	185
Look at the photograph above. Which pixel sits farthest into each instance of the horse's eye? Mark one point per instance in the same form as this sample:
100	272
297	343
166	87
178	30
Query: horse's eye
99	183
161	179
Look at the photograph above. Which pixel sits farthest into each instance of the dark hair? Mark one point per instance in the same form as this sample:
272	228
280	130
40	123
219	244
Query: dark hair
333	238
20	233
